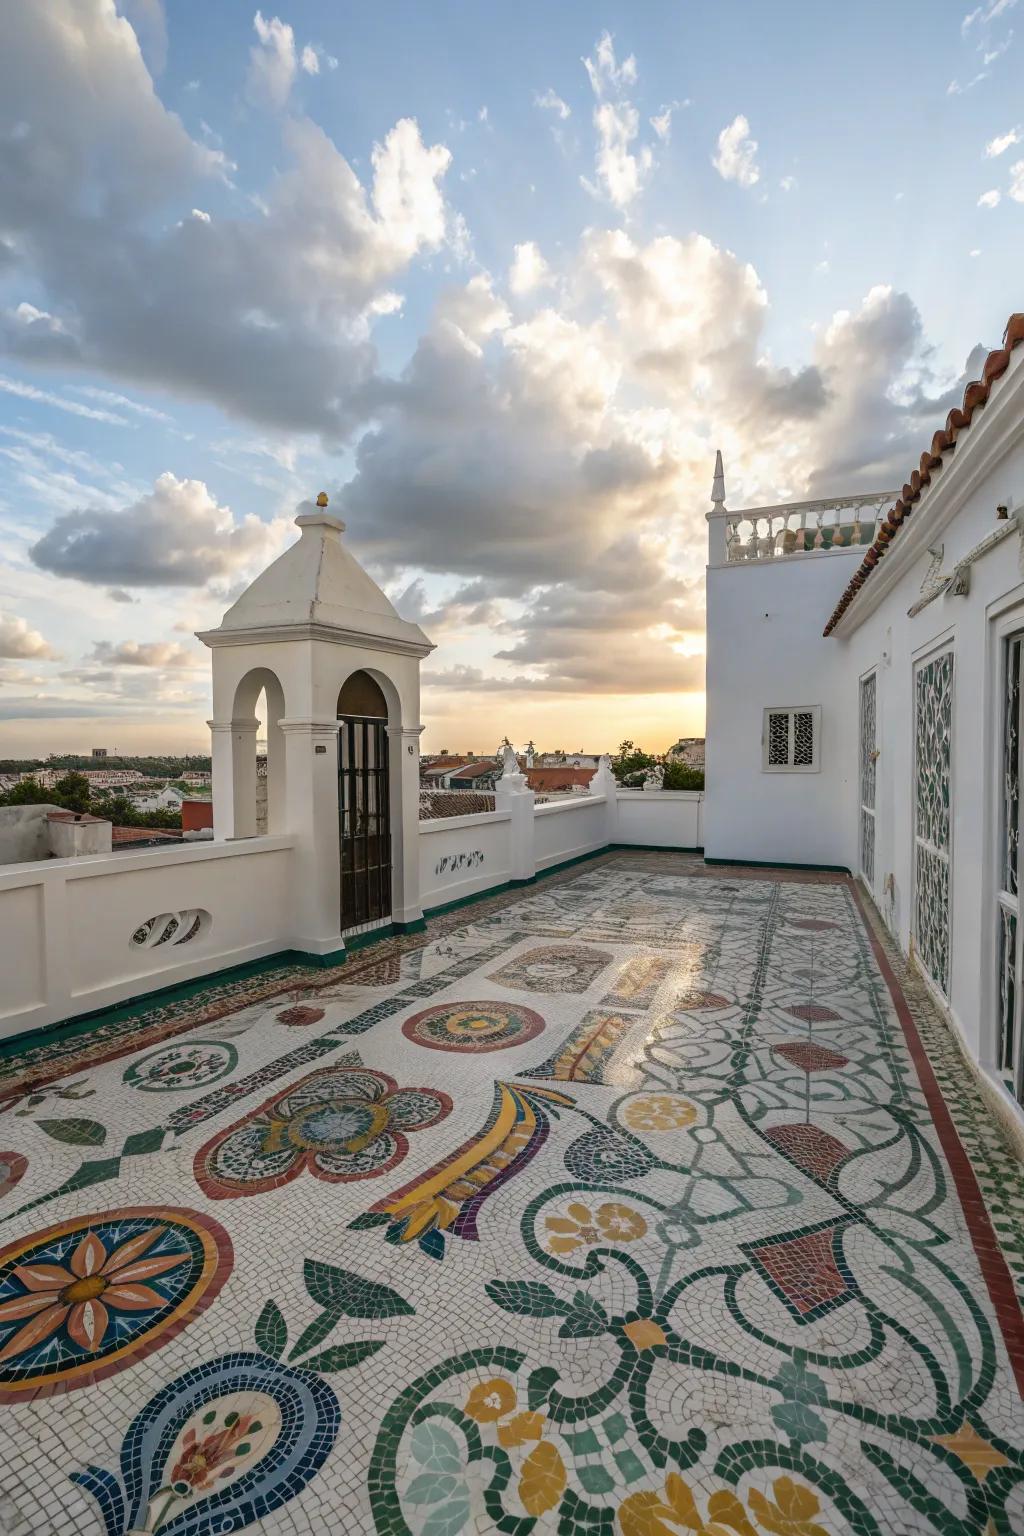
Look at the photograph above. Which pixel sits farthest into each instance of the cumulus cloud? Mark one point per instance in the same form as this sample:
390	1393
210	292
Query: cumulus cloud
268	314
1016	189
177	536
1001	143
152	653
620	170
990	199
272	61
736	156
19	642
529	270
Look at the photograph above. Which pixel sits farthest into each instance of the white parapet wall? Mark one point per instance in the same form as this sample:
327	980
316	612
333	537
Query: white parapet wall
462	855
81	934
568	829
663	818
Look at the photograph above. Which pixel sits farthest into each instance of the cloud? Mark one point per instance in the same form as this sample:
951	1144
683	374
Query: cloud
620	173
177	536
72	407
110	397
529	270
20	643
990	199
267	314
272	61
154	653
736	157
604	72
549	101
1016	188
1002	142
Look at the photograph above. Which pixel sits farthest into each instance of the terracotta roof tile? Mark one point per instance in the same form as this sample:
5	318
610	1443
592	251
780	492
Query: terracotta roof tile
959	419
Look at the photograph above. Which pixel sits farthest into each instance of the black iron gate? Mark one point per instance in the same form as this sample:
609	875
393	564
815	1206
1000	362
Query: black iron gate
364	806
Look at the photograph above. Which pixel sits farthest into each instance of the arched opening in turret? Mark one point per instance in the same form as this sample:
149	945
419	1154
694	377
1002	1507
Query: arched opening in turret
364	802
257	750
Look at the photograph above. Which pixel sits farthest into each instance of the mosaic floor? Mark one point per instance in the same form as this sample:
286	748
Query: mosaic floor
631	1206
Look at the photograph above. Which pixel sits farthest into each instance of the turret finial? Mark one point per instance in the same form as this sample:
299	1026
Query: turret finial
718	484
321	500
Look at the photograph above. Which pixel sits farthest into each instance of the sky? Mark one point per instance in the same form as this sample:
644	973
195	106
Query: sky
500	279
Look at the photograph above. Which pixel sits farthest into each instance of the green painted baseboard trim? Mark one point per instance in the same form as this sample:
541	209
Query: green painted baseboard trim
81	1023
821	869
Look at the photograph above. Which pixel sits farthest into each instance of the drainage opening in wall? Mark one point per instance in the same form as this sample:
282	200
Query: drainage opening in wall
171	928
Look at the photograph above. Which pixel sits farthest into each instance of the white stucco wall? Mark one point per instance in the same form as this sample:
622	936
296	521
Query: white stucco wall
461	855
664	818
66	925
765	648
764	624
567	829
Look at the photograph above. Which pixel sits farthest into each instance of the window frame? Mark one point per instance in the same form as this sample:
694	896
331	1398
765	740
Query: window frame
814	710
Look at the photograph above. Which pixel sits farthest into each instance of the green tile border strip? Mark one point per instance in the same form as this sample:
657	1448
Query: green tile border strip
989	1150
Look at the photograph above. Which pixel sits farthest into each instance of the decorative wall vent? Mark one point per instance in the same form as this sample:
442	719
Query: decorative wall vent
171	928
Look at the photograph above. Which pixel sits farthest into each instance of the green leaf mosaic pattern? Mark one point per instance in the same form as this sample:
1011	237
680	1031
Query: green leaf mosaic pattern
724	1282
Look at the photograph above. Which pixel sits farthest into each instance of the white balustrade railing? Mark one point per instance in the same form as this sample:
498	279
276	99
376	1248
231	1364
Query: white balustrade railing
796	528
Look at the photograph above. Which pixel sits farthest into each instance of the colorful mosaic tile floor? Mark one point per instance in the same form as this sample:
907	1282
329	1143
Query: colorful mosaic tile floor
638	1204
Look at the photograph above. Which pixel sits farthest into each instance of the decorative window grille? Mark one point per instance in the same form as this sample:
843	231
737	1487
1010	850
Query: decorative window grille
789	740
171	928
1011	1043
933	727
868	756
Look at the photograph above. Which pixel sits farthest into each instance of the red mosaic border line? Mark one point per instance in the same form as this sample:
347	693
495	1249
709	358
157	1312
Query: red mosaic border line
993	1265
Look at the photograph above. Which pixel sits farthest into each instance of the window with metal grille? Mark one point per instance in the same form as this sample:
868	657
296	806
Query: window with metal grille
789	740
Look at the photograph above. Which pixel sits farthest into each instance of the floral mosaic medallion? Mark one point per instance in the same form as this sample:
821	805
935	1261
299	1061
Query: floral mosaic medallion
12	1167
554	968
86	1297
473	1026
189	1064
341	1123
225	1444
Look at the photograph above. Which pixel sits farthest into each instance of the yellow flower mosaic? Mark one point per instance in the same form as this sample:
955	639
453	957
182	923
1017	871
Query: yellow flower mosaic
542	1476
659	1112
790	1513
581	1227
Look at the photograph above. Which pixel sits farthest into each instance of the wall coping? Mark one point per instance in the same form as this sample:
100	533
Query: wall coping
577	803
475	819
661	794
34	871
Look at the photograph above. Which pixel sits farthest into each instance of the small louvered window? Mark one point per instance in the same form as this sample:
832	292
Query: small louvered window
789	740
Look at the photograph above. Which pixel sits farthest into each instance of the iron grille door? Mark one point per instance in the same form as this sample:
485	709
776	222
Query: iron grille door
364	808
868	757
1010	929
933	728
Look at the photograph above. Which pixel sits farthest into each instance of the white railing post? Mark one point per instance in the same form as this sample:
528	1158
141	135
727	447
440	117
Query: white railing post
513	794
605	783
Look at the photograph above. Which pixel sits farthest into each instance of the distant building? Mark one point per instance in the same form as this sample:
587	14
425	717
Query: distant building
99	752
474	776
566	759
557	780
688	750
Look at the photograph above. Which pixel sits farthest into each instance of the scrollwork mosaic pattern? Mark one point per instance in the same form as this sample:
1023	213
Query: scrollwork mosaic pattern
692	1259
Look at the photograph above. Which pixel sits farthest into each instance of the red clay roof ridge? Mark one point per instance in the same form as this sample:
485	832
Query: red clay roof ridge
944	442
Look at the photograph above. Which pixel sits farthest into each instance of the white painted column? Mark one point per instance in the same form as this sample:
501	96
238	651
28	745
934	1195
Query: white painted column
605	783
512	794
233	763
404	785
311	817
